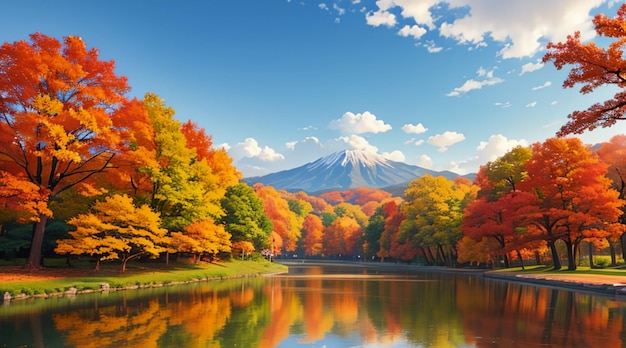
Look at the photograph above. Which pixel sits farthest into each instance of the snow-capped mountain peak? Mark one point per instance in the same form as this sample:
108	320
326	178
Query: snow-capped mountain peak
357	158
343	170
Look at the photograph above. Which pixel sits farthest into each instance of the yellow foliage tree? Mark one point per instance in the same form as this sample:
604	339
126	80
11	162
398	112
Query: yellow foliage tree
117	229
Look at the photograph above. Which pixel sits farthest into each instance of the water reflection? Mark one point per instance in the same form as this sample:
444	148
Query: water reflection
323	306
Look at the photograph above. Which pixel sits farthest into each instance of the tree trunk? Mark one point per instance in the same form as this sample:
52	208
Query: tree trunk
612	247
521	260
537	258
34	257
507	264
555	256
622	240
571	256
590	250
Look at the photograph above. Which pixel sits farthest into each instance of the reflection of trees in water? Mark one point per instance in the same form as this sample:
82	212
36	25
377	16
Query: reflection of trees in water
424	310
519	316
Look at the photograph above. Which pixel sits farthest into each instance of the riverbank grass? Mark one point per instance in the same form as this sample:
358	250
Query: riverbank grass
138	276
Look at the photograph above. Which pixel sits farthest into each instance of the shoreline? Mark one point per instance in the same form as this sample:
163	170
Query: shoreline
599	284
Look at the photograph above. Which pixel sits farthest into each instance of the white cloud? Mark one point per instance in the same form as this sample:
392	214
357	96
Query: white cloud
530	67
471	85
396	156
379	18
496	146
425	161
340	11
445	140
432	48
486	151
519	27
503	105
323	6
531	104
359	123
547	84
414	31
250	148
304	142
356	142
414	129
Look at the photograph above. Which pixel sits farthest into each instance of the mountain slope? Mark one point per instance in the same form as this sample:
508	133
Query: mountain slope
343	170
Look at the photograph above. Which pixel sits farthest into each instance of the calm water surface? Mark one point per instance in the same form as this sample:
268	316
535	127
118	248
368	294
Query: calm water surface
323	306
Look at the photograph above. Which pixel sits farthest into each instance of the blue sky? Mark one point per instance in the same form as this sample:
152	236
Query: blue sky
447	85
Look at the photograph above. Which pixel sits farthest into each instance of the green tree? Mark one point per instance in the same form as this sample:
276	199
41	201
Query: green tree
244	217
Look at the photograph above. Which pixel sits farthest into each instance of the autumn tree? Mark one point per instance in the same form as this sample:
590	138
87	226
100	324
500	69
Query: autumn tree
244	217
63	118
575	199
202	237
594	67
342	237
433	212
184	188
312	230
216	158
286	223
493	214
613	154
116	229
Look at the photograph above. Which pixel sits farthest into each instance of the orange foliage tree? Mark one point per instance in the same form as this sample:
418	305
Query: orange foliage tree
312	229
593	67
495	212
575	199
202	237
63	118
613	154
285	221
342	237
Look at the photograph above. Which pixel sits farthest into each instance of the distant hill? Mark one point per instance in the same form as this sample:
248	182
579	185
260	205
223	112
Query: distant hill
345	170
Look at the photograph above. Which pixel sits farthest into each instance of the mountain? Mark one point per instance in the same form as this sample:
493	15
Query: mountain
344	170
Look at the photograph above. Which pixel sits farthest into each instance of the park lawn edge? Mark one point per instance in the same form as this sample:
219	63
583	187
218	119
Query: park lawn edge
151	278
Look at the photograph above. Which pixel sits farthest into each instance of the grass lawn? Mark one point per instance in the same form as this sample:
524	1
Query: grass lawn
56	279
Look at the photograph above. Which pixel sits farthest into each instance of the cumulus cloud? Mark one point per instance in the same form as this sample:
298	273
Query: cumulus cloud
357	142
445	140
530	67
531	104
250	148
415	31
414	129
486	151
359	123
496	146
487	79
308	141
547	84
425	161
379	18
396	156
503	105
519	27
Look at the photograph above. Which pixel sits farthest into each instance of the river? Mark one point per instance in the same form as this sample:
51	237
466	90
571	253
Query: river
323	305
